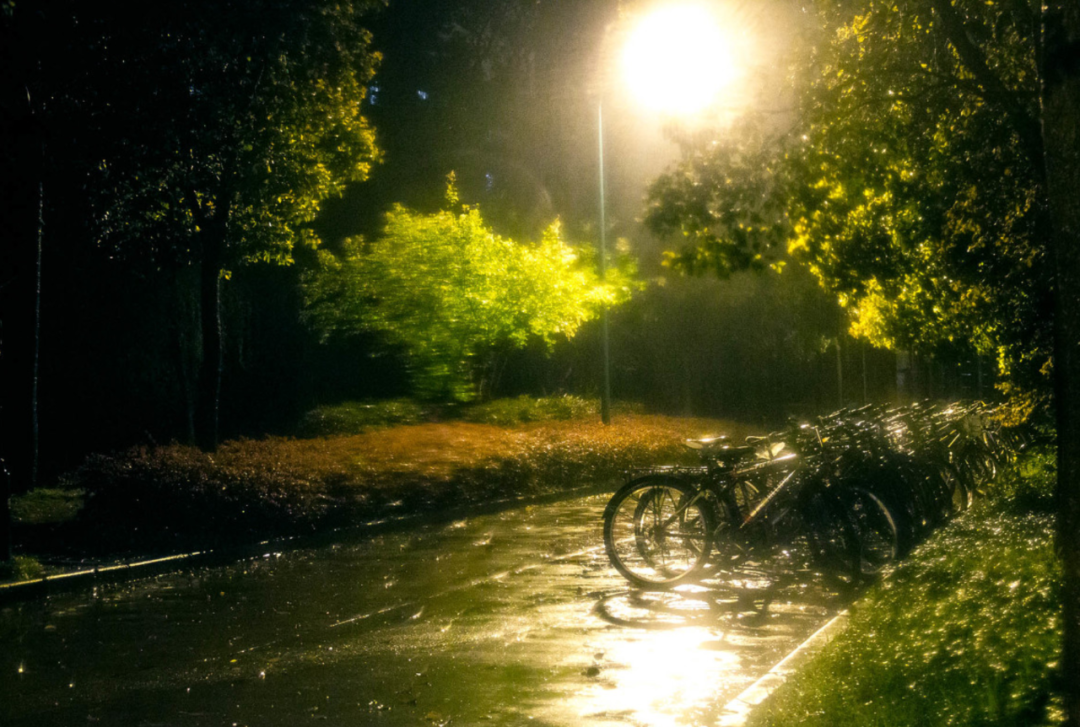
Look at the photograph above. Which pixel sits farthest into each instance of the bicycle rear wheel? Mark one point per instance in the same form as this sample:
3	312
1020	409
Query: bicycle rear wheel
656	533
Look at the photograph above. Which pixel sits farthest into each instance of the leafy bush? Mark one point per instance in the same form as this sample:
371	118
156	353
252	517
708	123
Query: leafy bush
1028	486
356	417
46	505
21	568
176	496
451	293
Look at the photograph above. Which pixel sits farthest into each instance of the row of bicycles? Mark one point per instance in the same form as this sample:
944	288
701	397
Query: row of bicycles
846	496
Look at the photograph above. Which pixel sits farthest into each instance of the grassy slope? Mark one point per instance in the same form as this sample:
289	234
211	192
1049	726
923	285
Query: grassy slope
965	632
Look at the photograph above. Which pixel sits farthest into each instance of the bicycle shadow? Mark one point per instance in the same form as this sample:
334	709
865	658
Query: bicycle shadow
751	600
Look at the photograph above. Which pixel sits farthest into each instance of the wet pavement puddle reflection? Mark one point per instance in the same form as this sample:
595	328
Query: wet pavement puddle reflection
505	619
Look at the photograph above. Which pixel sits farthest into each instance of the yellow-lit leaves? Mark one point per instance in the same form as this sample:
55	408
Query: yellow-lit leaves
452	293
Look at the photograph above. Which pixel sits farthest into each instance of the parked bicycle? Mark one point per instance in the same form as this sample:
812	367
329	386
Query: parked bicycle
851	493
742	507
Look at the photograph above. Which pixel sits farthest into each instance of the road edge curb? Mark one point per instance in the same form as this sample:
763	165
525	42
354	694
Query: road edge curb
738	710
152	566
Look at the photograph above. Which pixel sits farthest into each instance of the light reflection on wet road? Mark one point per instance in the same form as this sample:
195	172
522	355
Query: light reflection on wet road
506	619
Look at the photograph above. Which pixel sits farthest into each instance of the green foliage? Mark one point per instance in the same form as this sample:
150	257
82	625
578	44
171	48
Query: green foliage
234	119
177	496
966	632
524	409
355	417
909	183
453	294
1028	486
918	203
727	203
46	505
202	134
21	568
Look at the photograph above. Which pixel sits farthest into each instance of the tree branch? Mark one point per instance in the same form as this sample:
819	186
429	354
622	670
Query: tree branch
196	209
993	90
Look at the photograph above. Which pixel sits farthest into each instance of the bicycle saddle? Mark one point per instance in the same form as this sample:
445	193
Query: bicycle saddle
719	448
708	442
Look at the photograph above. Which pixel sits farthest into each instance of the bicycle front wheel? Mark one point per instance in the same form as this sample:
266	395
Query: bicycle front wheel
831	536
657	532
875	531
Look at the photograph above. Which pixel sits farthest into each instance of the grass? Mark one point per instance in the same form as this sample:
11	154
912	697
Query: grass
525	409
358	417
46	505
175	496
21	568
965	632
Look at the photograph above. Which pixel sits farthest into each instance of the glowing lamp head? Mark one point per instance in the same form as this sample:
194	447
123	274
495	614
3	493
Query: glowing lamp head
678	59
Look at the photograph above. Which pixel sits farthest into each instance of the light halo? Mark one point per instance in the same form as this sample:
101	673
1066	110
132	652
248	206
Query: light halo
677	59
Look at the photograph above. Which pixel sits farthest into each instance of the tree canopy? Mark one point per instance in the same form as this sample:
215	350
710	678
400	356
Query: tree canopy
908	179
208	134
454	295
247	114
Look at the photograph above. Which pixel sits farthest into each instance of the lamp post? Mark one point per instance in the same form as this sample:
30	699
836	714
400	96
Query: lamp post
675	61
605	339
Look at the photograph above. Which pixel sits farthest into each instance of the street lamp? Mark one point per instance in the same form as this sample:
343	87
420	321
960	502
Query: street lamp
675	61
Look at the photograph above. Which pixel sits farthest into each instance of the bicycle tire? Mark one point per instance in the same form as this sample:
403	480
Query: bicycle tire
656	534
876	536
831	537
891	488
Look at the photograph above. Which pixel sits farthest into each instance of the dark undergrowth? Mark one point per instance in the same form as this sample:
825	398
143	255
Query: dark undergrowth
965	632
21	568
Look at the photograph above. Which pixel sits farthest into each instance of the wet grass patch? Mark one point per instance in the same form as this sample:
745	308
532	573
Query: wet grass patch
359	417
525	409
21	568
965	632
46	505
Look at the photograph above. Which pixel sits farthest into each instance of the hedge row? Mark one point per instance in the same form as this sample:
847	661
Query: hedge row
177	496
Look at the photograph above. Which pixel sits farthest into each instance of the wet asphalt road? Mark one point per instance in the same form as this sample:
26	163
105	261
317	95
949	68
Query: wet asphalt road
514	618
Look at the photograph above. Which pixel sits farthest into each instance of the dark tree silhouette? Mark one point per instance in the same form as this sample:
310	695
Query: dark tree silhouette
1060	121
209	133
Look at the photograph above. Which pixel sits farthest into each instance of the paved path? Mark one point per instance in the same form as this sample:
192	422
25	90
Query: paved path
507	619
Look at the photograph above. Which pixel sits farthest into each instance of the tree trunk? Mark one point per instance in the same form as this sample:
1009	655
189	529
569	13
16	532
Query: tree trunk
209	383
1061	116
35	429
865	388
184	349
839	375
5	514
21	177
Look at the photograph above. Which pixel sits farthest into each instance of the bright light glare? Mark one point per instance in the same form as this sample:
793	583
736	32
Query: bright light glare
659	677
677	59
